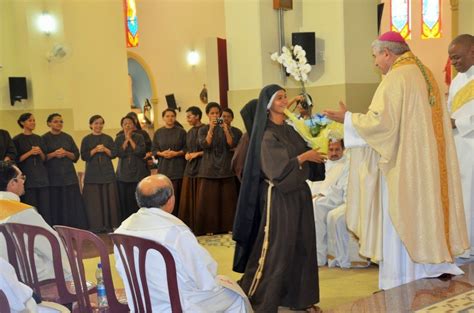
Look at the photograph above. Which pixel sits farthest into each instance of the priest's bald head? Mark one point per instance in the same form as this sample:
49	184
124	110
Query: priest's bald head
461	52
387	48
156	191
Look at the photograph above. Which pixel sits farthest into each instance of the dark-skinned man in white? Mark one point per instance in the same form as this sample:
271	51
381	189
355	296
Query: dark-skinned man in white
461	108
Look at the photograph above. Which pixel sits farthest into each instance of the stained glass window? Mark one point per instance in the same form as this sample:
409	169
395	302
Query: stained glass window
400	17
131	23
431	19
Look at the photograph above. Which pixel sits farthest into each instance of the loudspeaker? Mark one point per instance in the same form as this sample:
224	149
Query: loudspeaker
17	89
171	102
307	41
379	15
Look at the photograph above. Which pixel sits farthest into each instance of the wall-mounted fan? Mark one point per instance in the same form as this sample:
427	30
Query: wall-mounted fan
58	53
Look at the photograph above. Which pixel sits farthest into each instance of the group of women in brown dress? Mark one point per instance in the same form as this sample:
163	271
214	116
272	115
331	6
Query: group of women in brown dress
52	184
197	162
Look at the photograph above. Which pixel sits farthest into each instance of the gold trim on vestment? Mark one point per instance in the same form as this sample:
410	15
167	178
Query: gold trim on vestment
434	97
463	96
11	207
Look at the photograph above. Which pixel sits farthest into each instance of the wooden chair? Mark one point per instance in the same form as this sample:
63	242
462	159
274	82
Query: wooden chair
141	301
74	240
24	237
4	306
12	258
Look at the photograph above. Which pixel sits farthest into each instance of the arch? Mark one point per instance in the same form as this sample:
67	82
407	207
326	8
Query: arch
142	65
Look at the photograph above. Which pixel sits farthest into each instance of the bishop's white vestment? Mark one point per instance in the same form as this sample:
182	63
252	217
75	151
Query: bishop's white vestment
404	201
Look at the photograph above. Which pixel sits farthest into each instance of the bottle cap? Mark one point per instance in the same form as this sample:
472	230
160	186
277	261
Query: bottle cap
99	265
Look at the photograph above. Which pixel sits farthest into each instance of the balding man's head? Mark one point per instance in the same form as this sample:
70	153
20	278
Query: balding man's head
461	52
155	191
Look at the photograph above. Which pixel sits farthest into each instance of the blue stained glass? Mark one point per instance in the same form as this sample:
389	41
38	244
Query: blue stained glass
399	13
132	25
430	12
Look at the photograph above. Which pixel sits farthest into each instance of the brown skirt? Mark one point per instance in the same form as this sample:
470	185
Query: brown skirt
188	199
215	206
128	203
288	274
40	199
102	206
67	206
177	194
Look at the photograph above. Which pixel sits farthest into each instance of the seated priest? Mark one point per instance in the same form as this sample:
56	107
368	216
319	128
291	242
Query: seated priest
198	283
343	246
12	210
19	296
329	194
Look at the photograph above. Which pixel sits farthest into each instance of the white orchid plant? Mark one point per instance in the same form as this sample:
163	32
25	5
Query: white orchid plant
295	62
317	129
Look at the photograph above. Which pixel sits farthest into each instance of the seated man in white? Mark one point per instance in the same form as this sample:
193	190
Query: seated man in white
13	211
343	246
329	194
19	296
335	166
196	270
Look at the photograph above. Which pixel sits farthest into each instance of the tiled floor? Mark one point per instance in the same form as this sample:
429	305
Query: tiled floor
425	295
420	296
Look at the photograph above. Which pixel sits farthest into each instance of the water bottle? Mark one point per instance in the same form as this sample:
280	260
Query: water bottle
101	296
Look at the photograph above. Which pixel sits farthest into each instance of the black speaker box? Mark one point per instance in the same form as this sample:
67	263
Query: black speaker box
307	41
17	89
171	102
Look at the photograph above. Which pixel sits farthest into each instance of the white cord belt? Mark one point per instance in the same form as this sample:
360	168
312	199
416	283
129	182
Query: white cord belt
266	242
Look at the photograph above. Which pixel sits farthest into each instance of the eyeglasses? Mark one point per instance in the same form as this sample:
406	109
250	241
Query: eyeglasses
22	177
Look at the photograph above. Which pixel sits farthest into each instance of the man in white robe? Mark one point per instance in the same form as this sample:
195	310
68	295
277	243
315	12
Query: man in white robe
329	194
13	211
405	204
343	246
335	244
461	108
20	296
196	270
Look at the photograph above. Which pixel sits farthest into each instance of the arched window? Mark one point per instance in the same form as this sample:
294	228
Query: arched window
431	19
400	17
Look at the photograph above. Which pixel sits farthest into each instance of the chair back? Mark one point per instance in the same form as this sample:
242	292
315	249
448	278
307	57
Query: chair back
24	237
74	240
12	258
141	301
4	305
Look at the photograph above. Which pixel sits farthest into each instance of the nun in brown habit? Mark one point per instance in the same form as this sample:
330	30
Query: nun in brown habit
277	165
217	190
193	156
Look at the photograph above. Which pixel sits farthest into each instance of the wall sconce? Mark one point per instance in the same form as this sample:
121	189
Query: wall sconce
46	23
193	58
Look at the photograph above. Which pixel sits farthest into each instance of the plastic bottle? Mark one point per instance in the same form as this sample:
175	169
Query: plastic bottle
101	295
